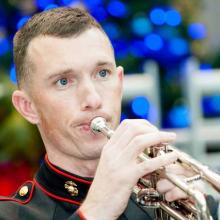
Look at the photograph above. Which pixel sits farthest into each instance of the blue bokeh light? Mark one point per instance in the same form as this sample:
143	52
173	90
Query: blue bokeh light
117	8
120	48
99	13
215	103
137	48
112	30
205	66
179	46
173	18
13	75
22	22
211	105
157	16
50	6
197	31
68	2
4	45
153	42
140	106
141	26
42	4
167	32
92	3
179	117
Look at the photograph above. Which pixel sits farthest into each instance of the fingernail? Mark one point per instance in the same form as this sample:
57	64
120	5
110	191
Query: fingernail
168	197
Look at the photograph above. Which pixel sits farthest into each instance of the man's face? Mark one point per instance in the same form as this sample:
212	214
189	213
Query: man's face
74	80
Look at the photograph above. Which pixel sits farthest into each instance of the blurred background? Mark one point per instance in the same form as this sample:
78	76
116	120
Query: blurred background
170	50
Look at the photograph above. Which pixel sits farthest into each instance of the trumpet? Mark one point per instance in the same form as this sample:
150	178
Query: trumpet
145	190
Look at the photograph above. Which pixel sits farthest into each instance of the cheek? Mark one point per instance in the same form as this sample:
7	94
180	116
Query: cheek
54	119
114	99
53	109
118	89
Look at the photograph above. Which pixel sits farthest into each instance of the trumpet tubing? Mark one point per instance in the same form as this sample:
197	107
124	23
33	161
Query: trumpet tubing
145	190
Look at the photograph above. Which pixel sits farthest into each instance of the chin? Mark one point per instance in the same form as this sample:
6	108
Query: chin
94	153
96	147
99	144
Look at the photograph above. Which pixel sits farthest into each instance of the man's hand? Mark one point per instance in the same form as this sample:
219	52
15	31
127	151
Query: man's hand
119	169
171	192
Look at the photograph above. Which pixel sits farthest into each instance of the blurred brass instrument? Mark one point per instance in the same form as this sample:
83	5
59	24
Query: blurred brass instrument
146	194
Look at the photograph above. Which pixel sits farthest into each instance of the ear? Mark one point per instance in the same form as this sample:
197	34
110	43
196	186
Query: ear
120	74
25	106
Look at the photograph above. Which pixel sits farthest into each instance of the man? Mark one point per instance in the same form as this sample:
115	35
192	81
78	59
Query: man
67	76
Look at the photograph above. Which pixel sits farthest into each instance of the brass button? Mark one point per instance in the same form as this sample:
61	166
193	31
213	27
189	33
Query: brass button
23	191
71	188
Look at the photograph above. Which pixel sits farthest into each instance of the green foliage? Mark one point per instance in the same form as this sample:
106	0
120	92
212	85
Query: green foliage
18	138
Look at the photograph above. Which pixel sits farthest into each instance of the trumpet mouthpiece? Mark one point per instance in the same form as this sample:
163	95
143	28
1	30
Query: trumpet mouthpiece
97	124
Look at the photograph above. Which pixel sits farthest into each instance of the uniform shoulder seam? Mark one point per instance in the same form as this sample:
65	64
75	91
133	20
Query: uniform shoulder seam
18	197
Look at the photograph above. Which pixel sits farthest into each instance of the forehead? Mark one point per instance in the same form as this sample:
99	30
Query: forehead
48	51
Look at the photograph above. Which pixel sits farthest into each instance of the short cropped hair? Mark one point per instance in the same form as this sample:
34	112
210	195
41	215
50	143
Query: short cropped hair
59	22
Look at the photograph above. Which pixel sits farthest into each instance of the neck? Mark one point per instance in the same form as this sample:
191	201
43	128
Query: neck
83	168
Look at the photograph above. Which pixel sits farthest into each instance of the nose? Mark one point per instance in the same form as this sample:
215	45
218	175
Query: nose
90	96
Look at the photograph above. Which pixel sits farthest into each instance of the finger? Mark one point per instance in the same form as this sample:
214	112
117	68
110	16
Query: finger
141	142
179	170
164	185
153	164
175	194
129	129
128	122
134	124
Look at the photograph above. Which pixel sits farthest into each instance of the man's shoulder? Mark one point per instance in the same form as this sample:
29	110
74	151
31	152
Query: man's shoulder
28	202
12	206
22	196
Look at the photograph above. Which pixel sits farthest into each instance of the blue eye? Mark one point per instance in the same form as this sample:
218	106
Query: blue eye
63	81
103	73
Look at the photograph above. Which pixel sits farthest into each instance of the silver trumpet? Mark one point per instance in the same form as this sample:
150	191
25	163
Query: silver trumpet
146	194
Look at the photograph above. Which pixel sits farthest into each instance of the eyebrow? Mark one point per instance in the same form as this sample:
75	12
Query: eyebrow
60	73
104	63
70	70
